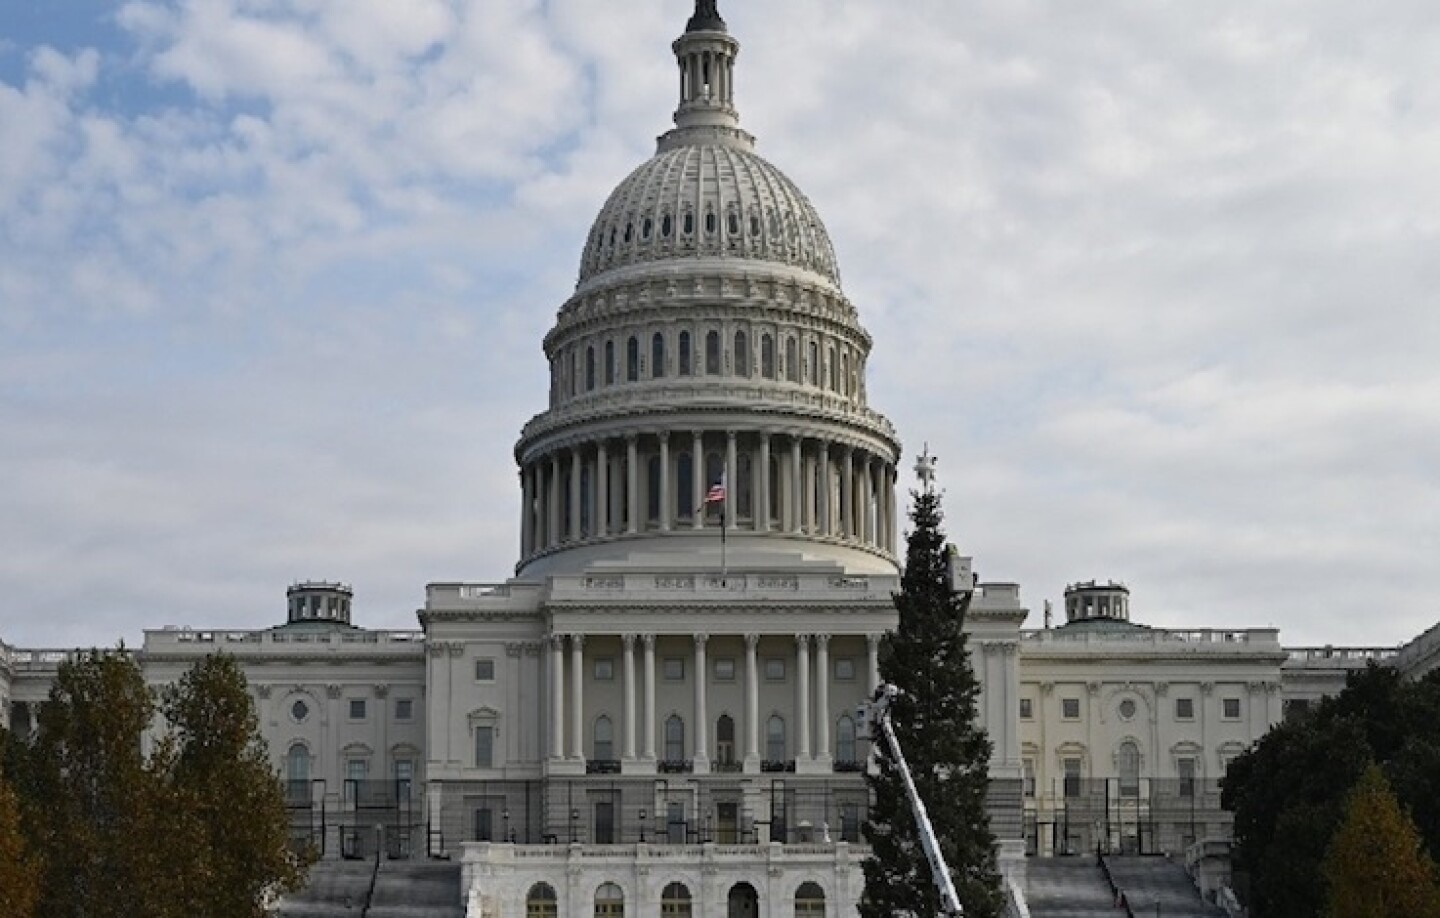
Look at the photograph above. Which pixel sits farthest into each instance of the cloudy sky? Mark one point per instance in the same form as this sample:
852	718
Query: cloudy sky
1156	281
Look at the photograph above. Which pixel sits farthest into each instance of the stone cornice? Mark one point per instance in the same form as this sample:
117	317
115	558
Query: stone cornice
282	659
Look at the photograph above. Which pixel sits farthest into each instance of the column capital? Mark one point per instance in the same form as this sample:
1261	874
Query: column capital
631	437
700	640
648	640
752	641
822	641
628	641
731	434
873	639
663	434
764	436
802	641
556	641
577	642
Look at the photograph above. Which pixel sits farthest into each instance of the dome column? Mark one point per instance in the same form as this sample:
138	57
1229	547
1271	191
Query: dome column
730	467
697	479
527	513
576	461
632	482
867	500
602	489
848	529
795	523
762	508
667	501
827	489
552	515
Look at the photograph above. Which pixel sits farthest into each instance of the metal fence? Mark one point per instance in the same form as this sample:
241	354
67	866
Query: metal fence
364	818
1148	816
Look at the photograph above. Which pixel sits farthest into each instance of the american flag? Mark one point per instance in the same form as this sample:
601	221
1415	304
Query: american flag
716	493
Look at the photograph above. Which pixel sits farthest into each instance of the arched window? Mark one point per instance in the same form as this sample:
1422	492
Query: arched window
297	773
684	367
809	901
775	739
767	356
812	372
792	360
845	372
742	354
609	901
845	739
540	902
632	359
725	740
685	486
590	369
674	738
604	739
652	489
666	224
609	363
1129	769
675	901
712	353
657	356
572	377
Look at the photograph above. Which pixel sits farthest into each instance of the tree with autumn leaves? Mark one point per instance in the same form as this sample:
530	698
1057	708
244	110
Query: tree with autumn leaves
134	802
1376	865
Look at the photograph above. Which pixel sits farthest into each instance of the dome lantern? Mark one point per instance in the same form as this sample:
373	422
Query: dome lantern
706	57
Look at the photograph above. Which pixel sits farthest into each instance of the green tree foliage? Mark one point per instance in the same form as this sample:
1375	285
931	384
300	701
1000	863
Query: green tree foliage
948	752
19	867
131	818
222	769
1288	792
1376	866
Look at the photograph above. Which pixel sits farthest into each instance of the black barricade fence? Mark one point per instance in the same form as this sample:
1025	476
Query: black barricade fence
663	810
1140	816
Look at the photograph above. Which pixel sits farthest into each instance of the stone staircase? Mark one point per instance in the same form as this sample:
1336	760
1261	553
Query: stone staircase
1067	887
356	889
1156	881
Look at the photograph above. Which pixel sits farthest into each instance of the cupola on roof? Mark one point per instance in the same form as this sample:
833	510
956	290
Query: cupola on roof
706	192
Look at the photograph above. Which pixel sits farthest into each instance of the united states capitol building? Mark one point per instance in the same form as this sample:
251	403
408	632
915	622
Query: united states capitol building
657	713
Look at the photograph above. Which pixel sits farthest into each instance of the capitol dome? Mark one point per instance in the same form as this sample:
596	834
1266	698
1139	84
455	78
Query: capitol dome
707	374
717	199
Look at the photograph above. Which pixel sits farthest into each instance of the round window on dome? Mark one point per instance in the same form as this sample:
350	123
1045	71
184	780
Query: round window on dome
299	710
1127	708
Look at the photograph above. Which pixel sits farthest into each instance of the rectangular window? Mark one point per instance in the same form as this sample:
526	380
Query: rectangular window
604	669
1072	777
1296	707
1070	708
1184	708
850	822
1025	709
724	669
1186	769
775	669
484	747
1027	768
356	770
675	828
404	778
844	670
357	708
674	669
404	708
1230	708
485	670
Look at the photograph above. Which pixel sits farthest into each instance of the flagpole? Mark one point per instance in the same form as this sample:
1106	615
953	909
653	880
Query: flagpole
723	527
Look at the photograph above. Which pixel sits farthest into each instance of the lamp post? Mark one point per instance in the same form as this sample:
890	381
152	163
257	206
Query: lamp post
574	818
642	824
505	815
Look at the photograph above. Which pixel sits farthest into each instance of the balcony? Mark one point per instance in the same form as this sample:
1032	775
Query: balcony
675	766
602	766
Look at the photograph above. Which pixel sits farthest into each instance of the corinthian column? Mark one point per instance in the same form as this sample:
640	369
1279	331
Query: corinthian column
730	483
647	726
632	482
698	484
627	670
827	490
602	489
702	716
802	701
762	507
797	489
822	697
752	703
667	500
577	696
557	696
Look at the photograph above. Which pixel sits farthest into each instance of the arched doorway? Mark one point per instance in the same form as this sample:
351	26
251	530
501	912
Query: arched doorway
743	902
809	901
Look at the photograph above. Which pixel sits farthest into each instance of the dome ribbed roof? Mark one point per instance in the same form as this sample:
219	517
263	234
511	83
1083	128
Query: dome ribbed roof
708	200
